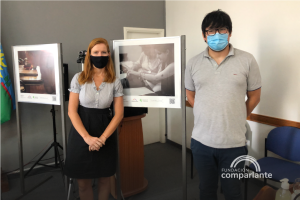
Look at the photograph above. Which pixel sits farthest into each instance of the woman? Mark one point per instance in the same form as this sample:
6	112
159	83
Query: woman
148	62
92	146
165	54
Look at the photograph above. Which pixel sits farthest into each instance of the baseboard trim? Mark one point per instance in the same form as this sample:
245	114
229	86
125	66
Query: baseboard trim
272	121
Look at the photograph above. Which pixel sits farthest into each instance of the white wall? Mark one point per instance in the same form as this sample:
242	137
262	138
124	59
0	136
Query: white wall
154	126
270	31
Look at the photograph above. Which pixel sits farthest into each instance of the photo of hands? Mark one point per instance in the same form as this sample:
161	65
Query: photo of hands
147	69
150	71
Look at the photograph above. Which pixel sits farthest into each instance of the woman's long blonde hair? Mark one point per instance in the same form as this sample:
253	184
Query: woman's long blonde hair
87	73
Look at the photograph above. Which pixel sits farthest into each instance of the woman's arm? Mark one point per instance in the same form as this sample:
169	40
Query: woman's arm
167	72
77	123
138	64
114	123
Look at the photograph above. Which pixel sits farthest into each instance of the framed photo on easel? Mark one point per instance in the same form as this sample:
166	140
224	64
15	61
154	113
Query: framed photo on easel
36	71
150	71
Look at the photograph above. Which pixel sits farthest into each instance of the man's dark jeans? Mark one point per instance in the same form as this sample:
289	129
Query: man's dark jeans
209	163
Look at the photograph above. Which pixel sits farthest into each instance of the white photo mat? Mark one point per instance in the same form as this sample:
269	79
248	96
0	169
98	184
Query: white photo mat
53	99
151	101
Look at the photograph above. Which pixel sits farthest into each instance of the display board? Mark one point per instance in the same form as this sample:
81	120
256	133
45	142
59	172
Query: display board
36	71
150	71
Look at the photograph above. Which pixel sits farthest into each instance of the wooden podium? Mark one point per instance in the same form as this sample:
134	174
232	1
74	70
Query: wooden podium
131	149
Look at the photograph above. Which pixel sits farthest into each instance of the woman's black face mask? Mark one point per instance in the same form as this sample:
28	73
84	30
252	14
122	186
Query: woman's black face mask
99	61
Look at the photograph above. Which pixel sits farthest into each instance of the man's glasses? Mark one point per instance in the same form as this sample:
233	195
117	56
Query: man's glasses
213	31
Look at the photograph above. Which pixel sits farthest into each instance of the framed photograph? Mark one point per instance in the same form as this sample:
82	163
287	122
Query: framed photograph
37	70
150	71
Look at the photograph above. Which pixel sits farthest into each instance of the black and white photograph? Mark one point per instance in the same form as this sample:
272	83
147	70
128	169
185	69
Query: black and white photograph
149	71
36	70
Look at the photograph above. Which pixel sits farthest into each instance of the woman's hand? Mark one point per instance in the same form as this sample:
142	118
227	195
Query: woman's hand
102	140
93	141
129	72
132	72
124	67
114	123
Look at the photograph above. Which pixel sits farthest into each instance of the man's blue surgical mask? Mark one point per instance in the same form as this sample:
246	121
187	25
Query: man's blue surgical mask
217	42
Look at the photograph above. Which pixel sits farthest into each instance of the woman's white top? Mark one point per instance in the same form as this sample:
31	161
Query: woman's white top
90	97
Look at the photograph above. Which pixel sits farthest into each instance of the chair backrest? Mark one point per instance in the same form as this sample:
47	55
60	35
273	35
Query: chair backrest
285	142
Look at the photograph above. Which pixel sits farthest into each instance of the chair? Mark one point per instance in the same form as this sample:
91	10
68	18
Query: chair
285	142
266	193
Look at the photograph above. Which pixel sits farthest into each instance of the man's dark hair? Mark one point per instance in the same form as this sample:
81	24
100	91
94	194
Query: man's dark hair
216	19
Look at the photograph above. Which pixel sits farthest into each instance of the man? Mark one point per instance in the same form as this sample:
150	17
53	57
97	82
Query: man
216	82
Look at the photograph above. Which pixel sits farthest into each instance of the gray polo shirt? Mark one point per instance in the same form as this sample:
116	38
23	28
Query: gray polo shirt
219	108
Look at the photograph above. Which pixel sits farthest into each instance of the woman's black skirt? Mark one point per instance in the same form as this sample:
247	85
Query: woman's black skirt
84	164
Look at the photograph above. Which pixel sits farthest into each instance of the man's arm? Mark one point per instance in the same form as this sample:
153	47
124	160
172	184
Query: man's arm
253	100
191	97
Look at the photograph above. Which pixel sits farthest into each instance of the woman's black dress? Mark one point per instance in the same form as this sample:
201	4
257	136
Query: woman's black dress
82	163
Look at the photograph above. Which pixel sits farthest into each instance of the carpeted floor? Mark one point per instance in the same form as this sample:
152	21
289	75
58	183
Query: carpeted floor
162	170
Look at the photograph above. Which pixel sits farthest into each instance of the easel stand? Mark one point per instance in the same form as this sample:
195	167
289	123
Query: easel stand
183	110
55	145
